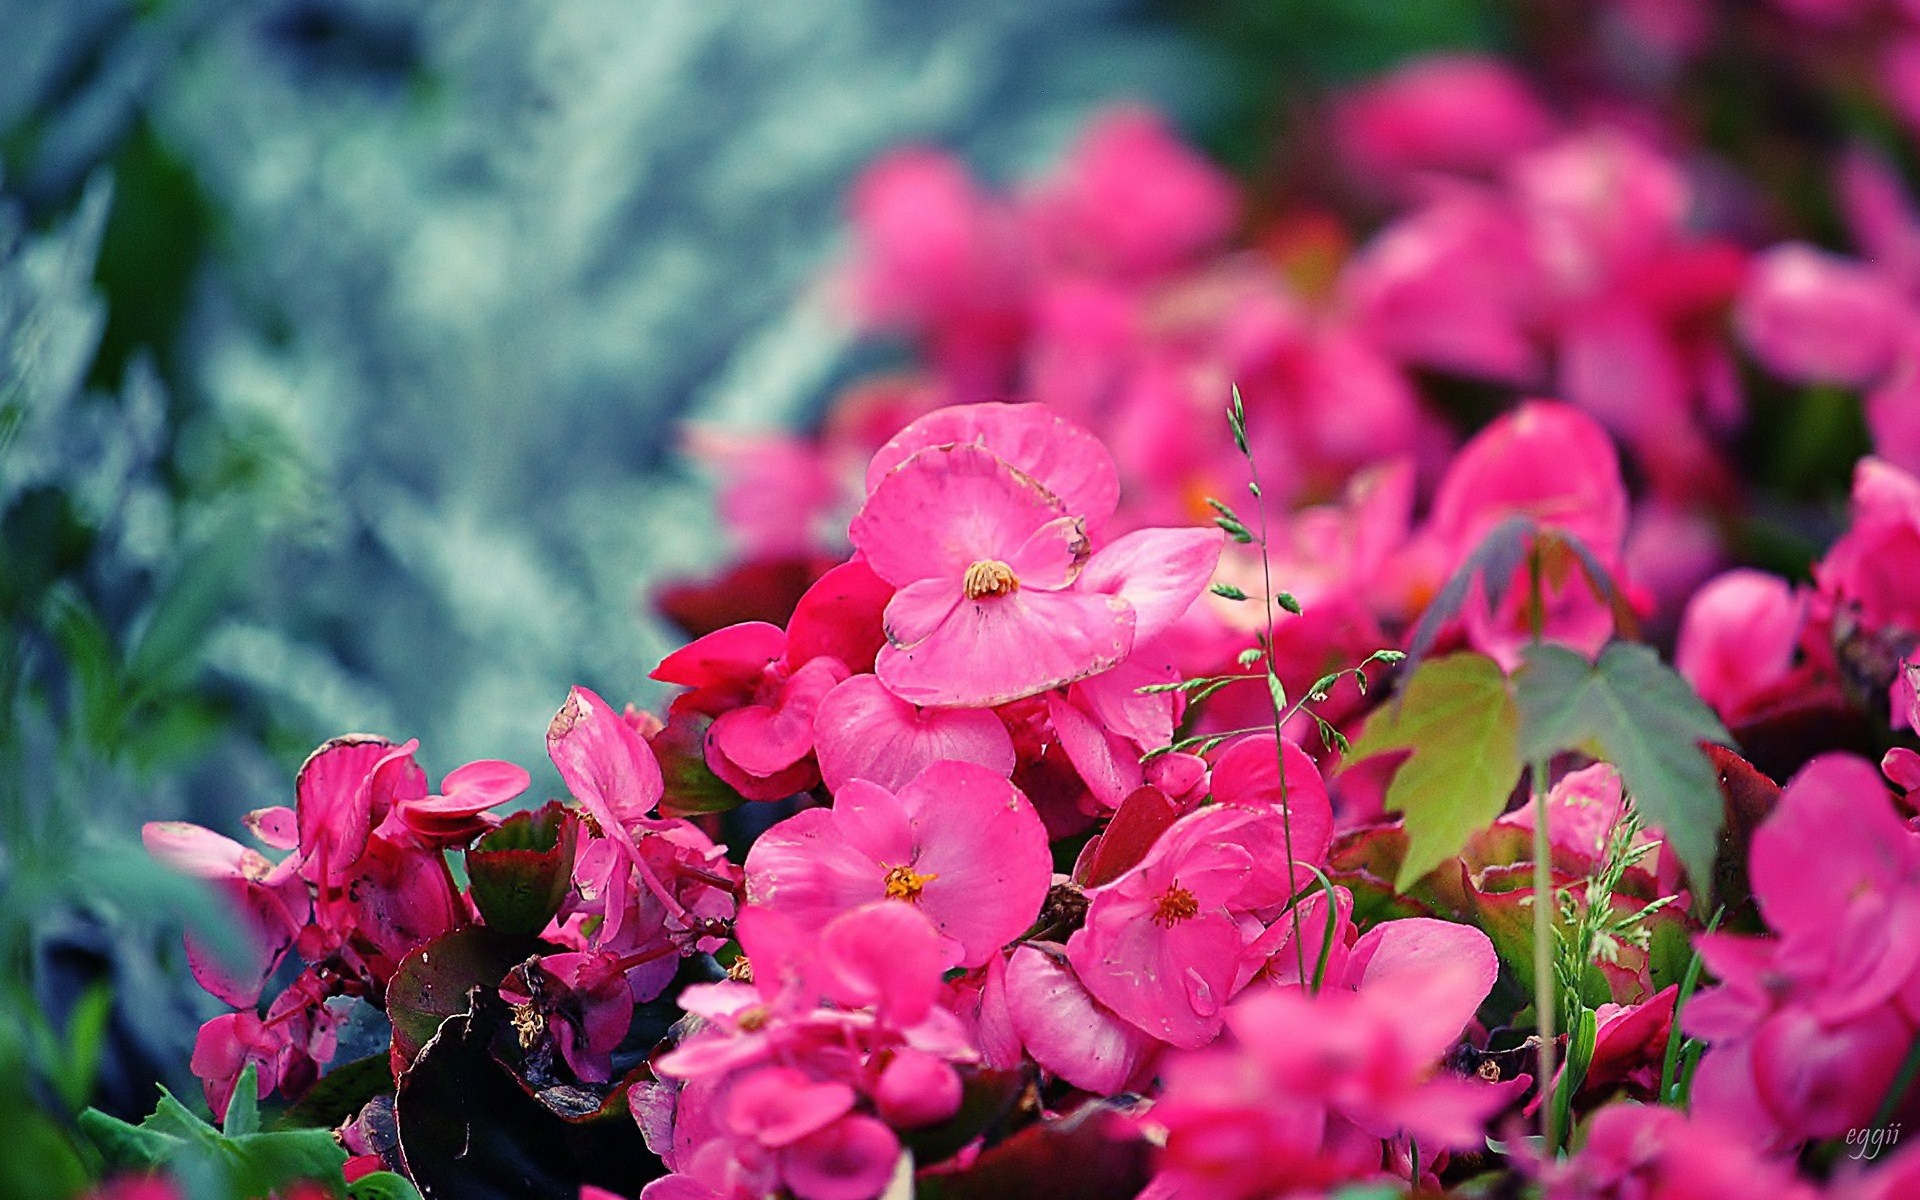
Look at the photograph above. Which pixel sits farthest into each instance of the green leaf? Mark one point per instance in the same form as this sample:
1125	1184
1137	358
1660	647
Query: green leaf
86	1034
1285	600
1638	714
1277	692
1227	591
1237	420
247	1166
383	1185
1458	716
243	1110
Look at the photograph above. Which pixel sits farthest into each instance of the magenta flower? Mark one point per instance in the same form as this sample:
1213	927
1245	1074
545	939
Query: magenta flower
1463	114
958	842
1807	1029
864	731
986	538
1646	1152
1159	946
1871	570
1738	641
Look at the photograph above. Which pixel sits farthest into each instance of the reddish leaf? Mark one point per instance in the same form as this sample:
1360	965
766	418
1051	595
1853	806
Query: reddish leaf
1142	817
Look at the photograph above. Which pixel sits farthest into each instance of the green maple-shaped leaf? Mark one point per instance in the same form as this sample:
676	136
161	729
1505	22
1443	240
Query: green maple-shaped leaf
1635	712
1458	716
244	1163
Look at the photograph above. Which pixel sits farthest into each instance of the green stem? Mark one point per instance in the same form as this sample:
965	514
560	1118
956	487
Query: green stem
1689	980
1543	1002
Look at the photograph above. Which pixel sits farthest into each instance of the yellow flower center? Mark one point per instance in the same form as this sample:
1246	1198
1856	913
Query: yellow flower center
904	883
1175	905
990	577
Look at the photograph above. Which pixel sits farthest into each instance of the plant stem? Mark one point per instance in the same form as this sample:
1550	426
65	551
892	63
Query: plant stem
1279	717
1543	1002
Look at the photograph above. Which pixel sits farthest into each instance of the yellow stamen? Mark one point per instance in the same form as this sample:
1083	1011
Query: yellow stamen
1175	905
904	883
990	577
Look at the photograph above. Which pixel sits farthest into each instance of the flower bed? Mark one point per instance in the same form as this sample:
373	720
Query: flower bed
1213	776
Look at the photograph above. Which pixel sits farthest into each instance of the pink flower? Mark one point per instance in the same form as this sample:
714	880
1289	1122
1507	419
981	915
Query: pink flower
1464	113
1132	200
991	608
958	842
940	259
1817	317
1647	1152
1556	465
1739	638
864	731
1160	947
1806	1031
1874	569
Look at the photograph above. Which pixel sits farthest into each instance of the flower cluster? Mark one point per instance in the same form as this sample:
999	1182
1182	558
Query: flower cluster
1033	860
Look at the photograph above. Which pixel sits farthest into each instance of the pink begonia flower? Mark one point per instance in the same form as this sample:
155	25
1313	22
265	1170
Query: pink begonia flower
1806	1031
272	896
774	1082
1817	317
606	765
1583	807
1450	287
458	813
864	731
1874	569
958	842
1650	1152
287	1047
940	259
1162	944
985	560
1901	765
1065	460
1132	199
1465	113
1555	464
584	998
1739	638
1672	551
1304	1092
776	492
1066	1030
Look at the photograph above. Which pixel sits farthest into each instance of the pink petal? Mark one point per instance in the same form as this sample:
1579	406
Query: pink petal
765	739
805	868
1108	765
1052	556
1545	460
863	731
1453	966
1003	648
334	802
874	821
1062	457
1066	1030
945	509
885	955
916	1089
604	762
1738	637
1837	803
987	850
1158	572
1248	776
852	1159
736	654
277	827
780	1105
839	617
1817	318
